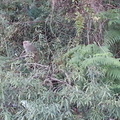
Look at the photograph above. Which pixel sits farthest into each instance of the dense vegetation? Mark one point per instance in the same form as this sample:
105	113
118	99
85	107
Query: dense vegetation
78	75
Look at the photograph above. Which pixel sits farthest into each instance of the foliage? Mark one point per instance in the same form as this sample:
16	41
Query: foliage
27	95
112	37
77	77
98	60
79	23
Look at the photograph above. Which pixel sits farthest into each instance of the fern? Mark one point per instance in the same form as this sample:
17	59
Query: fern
113	73
116	88
83	57
112	37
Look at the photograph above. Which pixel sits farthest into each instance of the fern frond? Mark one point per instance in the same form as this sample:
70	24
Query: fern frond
116	88
112	37
113	73
102	61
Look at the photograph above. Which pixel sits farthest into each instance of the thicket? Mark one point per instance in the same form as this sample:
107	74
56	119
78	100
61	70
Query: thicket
78	75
